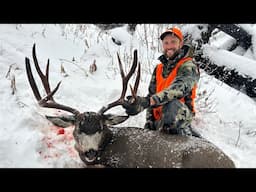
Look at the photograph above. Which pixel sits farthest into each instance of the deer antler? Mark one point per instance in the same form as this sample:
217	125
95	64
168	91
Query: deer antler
125	80
48	100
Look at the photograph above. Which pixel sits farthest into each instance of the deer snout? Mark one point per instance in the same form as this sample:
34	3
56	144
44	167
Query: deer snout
91	155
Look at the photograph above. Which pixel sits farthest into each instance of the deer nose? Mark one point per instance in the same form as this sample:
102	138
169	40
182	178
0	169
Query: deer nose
91	154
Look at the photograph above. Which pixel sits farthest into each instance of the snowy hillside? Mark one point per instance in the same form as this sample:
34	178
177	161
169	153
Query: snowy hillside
225	116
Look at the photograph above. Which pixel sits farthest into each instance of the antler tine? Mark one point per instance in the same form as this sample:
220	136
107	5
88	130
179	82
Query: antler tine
136	84
47	101
32	80
120	66
44	78
134	65
50	95
125	80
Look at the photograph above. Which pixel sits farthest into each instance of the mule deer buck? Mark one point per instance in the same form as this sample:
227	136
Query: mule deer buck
98	142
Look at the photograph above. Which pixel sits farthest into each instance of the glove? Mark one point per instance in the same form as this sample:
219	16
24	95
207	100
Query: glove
134	106
149	125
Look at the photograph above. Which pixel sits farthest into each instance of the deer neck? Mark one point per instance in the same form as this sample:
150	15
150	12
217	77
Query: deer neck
108	138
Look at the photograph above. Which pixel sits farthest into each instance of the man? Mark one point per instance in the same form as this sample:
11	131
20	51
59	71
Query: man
172	89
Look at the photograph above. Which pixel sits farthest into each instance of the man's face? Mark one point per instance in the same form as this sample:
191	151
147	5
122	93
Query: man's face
171	44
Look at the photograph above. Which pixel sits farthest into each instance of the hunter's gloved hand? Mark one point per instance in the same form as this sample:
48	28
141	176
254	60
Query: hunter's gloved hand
134	106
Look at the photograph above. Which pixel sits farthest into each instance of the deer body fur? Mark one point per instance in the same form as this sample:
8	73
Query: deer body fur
130	147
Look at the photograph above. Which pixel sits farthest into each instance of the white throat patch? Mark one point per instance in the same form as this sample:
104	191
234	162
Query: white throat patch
86	142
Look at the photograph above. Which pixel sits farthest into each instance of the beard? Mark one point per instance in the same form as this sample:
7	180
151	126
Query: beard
171	56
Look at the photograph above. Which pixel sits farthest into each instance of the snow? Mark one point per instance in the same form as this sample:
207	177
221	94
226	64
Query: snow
232	112
223	57
28	139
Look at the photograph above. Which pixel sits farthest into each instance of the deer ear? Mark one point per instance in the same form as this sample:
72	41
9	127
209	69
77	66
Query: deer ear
114	119
62	121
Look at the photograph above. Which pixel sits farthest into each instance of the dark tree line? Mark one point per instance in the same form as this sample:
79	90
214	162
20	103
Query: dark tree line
131	26
232	77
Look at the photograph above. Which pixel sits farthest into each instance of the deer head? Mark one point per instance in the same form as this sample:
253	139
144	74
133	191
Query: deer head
91	128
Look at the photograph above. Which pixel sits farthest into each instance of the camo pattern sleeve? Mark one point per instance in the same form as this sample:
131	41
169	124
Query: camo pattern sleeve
187	77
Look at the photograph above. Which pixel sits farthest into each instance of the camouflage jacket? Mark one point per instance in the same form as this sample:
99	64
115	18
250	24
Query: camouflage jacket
187	76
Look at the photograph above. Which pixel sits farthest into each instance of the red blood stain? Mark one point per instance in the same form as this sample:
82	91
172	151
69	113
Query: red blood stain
69	137
47	156
60	131
56	155
72	152
49	144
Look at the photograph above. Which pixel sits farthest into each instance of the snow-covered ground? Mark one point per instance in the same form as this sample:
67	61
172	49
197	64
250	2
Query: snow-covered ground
225	116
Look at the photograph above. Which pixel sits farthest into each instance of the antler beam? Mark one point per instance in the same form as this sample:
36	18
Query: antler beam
125	80
48	100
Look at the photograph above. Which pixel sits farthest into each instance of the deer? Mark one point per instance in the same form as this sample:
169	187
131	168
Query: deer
99	142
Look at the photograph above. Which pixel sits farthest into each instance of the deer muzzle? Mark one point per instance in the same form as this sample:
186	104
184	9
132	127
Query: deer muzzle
91	155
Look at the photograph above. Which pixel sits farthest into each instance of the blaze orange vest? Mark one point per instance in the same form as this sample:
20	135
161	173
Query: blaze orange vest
162	83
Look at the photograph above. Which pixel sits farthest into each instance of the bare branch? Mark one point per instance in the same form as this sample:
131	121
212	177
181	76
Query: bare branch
9	70
13	85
